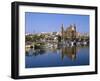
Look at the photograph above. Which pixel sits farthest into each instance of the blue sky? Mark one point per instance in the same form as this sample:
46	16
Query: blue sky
47	22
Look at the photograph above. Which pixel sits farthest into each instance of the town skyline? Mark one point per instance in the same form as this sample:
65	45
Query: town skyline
45	22
59	32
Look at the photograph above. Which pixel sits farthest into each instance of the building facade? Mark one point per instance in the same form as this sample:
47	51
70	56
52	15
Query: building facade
69	33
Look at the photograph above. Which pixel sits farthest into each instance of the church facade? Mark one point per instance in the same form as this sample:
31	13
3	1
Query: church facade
69	33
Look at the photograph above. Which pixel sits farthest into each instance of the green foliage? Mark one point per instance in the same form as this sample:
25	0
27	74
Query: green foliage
28	38
59	38
34	38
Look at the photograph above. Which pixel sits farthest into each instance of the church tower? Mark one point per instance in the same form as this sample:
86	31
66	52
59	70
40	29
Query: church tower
62	32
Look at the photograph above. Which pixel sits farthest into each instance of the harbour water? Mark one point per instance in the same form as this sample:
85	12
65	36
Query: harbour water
56	57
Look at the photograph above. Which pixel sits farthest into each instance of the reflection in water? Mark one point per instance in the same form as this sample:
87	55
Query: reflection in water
63	56
69	52
36	52
65	51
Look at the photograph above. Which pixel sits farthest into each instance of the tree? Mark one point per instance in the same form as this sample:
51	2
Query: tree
59	38
28	38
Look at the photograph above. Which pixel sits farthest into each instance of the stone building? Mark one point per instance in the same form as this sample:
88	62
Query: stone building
69	33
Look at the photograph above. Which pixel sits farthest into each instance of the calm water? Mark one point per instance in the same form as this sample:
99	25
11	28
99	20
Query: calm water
52	57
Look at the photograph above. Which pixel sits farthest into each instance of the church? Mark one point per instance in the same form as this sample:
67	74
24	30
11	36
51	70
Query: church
69	33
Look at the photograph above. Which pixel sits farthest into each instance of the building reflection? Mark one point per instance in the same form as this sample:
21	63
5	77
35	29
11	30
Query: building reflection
32	52
70	52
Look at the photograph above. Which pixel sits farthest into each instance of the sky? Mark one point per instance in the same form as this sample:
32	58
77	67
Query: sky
47	22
